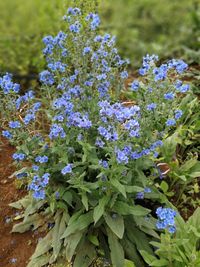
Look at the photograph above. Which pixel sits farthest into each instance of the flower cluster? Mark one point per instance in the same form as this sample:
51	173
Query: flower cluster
166	218
24	99
7	85
19	156
161	90
41	159
94	21
38	185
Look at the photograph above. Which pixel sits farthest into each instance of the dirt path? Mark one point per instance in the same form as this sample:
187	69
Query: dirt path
15	249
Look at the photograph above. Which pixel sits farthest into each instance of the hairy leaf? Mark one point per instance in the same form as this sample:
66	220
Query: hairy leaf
116	224
117	252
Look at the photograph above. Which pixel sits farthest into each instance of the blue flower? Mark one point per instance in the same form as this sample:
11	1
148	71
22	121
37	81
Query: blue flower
57	195
67	169
170	122
99	143
148	61
75	28
74	11
7	134
7	85
56	131
101	77
124	74
14	124
95	21
104	163
38	185
172	229
147	190
182	88
166	218
135	85
35	167
160	73
19	156
169	96
121	156
140	195
41	159
28	118
179	65
59	118
79	120
86	50
103	131
46	77
57	66
151	106
45	180
40	195
178	114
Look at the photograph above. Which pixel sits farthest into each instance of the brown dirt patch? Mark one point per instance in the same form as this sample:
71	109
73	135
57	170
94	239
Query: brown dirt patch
15	249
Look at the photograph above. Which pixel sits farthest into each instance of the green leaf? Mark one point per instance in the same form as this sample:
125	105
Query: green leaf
169	146
84	200
117	252
39	262
138	237
118	186
85	256
129	263
72	242
99	210
188	165
43	246
22	203
34	220
194	220
58	230
164	186
131	251
78	224
147	257
67	196
93	239
124	209
159	263
133	189
115	224
194	174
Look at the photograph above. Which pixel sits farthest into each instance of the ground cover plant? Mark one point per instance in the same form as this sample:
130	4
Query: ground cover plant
87	149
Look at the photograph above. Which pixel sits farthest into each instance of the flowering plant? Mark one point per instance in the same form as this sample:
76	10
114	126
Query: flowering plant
89	149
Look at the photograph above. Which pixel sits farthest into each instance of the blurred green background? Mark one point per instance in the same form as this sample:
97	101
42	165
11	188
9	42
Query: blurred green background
165	27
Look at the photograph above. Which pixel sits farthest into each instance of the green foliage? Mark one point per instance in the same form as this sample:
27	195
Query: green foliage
145	26
182	249
181	152
23	24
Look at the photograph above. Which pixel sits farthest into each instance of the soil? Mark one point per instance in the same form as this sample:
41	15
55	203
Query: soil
15	249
